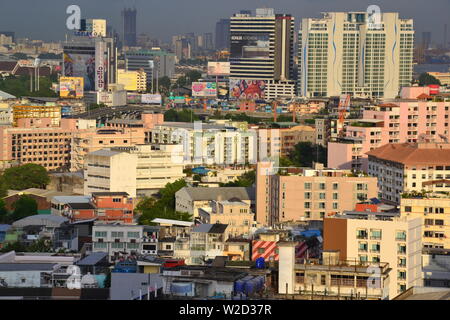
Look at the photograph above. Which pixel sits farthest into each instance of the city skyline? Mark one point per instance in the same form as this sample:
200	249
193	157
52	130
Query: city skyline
151	17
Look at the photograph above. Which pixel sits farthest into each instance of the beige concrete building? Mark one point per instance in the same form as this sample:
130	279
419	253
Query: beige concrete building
235	213
302	194
397	241
434	211
410	167
140	170
132	80
190	199
97	139
331	278
443	77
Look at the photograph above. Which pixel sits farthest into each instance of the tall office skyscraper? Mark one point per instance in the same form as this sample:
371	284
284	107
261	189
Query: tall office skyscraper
350	53
262	55
129	27
223	34
426	40
208	41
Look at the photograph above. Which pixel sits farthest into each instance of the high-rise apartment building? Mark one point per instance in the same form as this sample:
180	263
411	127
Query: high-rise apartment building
129	27
352	53
262	53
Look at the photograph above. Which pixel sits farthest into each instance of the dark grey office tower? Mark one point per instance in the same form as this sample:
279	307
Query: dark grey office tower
426	40
223	34
208	41
129	27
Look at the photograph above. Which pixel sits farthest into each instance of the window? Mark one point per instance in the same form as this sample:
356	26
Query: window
101	234
335	186
322	186
408	209
361	234
307	205
401	248
375	234
116	234
100	245
133	246
401	262
131	234
400	235
375	247
117	200
362	246
307	185
117	245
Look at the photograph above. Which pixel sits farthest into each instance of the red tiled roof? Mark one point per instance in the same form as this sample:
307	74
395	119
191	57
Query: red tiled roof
423	96
410	154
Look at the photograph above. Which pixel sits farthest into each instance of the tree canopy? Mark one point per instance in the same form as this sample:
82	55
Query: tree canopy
20	86
26	176
180	116
246	180
24	207
164	207
305	153
426	79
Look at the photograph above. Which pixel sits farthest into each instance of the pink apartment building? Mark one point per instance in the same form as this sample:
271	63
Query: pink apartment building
402	120
302	194
37	141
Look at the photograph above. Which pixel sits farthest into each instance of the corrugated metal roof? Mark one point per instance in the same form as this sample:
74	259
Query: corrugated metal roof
222	193
27	266
92	259
49	220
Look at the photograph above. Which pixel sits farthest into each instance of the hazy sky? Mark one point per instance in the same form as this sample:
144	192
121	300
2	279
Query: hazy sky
45	19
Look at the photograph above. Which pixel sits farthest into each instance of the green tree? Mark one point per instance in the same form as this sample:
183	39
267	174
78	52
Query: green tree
26	176
149	208
3	212
42	245
19	86
193	76
164	84
246	180
305	153
23	207
16	246
426	79
180	116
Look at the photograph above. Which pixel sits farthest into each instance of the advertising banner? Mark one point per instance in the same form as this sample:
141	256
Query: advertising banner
81	65
247	89
204	89
218	68
71	87
151	99
134	98
100	63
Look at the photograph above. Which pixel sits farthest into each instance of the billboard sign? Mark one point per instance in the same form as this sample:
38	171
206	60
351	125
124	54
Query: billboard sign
81	65
250	45
100	66
151	99
204	89
218	68
247	89
71	87
134	98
